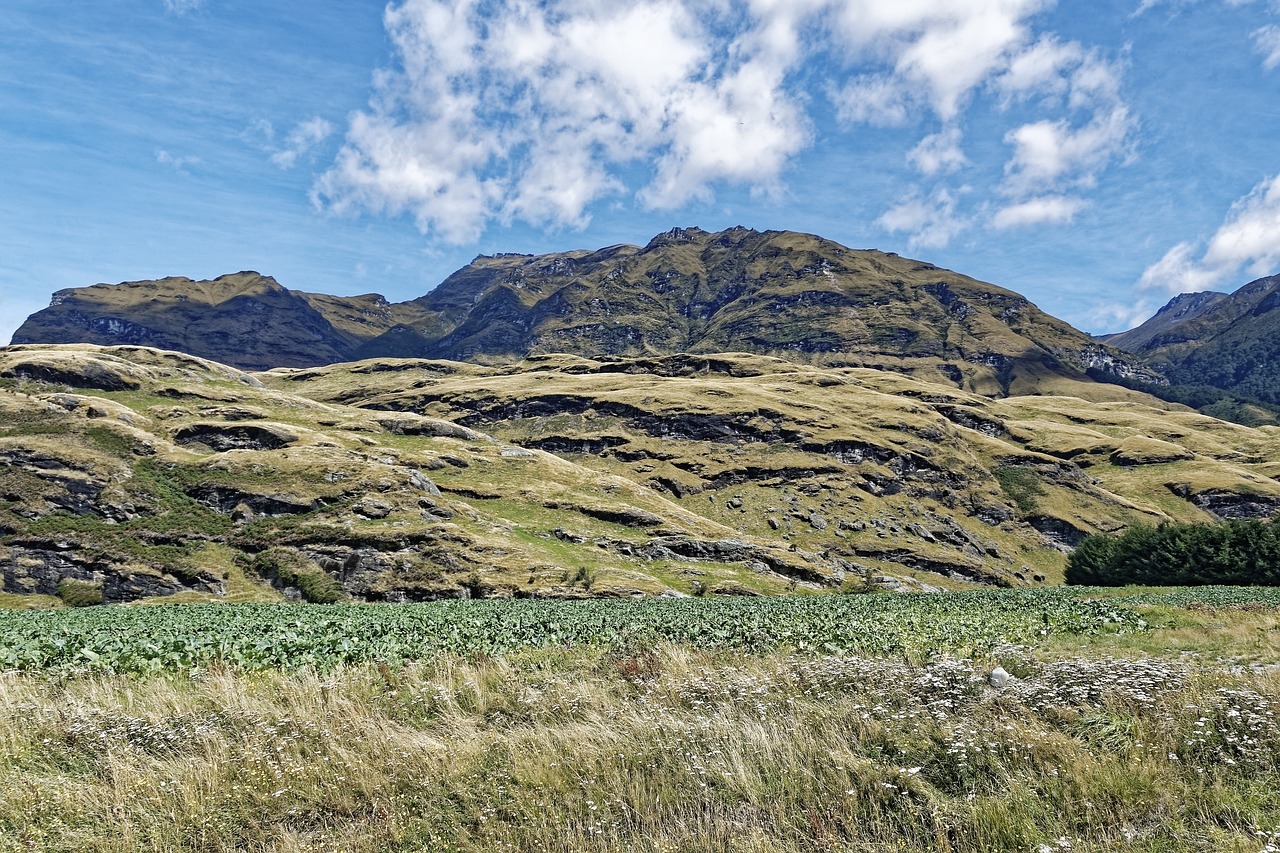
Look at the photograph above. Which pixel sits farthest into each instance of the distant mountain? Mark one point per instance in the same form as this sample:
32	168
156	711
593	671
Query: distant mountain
1226	341
780	293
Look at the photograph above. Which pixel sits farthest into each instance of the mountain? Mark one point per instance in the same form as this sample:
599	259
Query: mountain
136	473
794	296
246	317
1225	341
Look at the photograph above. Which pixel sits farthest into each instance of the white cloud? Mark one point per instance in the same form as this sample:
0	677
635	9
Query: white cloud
1119	316
880	100
1040	68
1051	210
1248	240
945	50
531	111
1267	42
182	7
1052	156
178	164
939	153
502	110
930	222
300	141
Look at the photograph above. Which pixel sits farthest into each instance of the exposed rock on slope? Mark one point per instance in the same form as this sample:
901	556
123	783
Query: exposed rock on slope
396	480
780	293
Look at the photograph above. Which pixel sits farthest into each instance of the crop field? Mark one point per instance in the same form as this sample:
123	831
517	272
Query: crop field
1128	720
158	639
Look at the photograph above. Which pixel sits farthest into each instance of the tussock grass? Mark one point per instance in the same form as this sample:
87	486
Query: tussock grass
666	748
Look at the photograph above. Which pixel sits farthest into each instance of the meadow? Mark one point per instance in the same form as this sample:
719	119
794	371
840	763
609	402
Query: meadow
1131	720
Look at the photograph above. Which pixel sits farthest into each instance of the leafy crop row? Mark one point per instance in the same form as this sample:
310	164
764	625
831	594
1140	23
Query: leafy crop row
159	639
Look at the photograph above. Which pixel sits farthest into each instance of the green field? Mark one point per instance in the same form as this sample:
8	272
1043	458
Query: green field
173	638
1133	720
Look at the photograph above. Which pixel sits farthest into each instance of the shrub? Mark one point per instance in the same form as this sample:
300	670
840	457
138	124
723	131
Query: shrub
1239	553
285	567
1022	485
77	593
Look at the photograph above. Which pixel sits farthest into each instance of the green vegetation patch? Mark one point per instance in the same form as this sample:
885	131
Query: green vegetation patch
1229	553
1022	485
288	637
77	593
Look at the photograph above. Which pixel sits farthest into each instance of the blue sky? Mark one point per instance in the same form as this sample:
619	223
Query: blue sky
1098	156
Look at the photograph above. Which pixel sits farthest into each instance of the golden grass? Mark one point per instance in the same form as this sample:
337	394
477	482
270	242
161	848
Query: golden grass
666	749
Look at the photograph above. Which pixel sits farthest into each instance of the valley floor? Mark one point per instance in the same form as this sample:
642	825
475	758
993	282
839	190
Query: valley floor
1156	729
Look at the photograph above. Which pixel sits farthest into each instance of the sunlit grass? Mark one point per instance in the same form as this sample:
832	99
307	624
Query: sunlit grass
1105	746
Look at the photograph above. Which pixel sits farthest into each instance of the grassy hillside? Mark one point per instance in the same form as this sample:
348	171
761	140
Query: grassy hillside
141	473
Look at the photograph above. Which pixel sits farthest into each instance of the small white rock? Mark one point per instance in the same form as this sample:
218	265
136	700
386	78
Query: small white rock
998	677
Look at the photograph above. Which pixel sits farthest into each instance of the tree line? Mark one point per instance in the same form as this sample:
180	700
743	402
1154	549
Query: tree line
1235	553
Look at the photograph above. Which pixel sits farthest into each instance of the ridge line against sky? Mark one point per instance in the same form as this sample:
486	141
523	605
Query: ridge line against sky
1098	157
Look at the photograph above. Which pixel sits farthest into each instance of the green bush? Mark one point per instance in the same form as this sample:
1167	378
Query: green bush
77	593
285	567
1022	485
1238	553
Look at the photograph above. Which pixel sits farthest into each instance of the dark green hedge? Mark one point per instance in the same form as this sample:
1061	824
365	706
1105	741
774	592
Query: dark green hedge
1236	553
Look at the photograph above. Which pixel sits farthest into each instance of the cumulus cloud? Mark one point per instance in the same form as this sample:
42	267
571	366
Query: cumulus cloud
944	50
531	111
1248	241
930	222
514	110
1049	153
1054	210
300	141
939	153
1040	68
1054	158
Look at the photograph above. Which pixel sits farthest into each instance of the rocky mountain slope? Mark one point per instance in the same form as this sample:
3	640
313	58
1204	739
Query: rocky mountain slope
1227	341
130	472
793	296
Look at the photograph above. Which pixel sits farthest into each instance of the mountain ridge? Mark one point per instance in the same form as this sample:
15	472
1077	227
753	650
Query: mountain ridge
797	296
1225	341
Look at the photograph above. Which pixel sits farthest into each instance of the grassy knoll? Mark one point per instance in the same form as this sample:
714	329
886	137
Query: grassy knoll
1144	722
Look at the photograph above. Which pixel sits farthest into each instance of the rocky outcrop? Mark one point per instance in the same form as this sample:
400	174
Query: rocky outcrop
221	436
33	566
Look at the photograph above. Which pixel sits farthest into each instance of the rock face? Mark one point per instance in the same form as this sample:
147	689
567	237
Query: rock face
795	296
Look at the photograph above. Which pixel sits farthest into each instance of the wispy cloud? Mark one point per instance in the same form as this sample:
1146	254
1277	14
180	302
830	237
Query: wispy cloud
177	163
1248	240
1266	41
300	141
929	221
182	7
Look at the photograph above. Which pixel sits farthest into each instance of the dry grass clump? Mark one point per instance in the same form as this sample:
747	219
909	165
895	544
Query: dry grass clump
666	749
